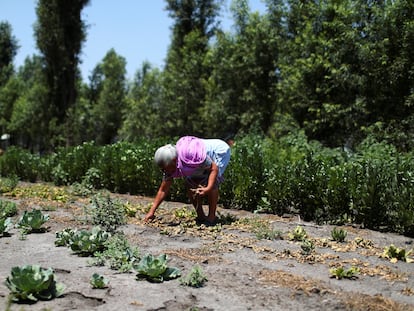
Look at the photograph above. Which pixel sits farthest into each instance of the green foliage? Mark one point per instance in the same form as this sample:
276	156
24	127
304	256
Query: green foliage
33	283
395	253
195	278
298	234
86	243
338	235
7	209
343	273
64	237
98	281
5	225
32	221
107	213
8	184
307	246
118	254
19	162
155	269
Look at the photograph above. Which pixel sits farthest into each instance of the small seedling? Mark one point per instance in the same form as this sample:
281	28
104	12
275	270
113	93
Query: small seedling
195	278
338	235
342	273
395	253
307	247
298	234
98	281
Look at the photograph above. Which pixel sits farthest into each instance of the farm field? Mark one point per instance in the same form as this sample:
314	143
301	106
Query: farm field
251	261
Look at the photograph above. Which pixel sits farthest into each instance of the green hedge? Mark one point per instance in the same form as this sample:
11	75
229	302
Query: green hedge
372	186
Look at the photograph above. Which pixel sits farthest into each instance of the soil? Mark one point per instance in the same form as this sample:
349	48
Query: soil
244	270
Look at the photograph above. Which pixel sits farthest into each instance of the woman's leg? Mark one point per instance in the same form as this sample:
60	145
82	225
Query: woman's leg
212	205
197	202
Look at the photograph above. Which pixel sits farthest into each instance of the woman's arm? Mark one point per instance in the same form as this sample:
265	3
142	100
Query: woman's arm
159	198
211	180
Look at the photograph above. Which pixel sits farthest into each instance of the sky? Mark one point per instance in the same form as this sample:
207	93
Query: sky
138	30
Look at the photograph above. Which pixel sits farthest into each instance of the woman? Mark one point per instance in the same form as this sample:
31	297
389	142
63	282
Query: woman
202	163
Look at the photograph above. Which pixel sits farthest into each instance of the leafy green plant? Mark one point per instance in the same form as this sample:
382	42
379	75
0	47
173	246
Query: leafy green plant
7	184
107	213
297	234
7	209
338	235
394	254
307	246
86	243
64	237
98	281
33	283
32	221
155	269
5	225
118	254
196	277
342	273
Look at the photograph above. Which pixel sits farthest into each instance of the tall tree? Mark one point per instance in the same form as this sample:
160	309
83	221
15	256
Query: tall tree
8	50
141	118
109	97
241	89
185	71
59	33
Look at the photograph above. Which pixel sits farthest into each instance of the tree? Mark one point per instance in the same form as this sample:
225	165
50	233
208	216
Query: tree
141	118
109	97
185	70
59	33
8	50
241	89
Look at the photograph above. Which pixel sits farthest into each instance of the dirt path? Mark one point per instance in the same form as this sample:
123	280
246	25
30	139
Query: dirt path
244	272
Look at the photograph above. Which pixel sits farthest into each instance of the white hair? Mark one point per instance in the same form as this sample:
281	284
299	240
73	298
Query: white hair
165	155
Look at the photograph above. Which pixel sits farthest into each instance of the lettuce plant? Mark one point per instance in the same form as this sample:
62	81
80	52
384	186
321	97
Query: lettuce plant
342	273
98	281
64	237
394	254
338	235
196	277
32	221
155	269
86	243
33	283
5	225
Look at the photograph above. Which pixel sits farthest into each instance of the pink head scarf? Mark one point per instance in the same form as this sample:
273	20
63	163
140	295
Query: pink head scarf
191	153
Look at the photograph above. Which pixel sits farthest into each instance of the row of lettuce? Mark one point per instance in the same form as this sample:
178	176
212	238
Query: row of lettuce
372	185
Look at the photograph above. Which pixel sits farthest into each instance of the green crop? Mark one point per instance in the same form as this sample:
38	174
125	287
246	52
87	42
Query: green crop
342	273
196	278
338	235
98	281
5	225
32	221
32	283
155	269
